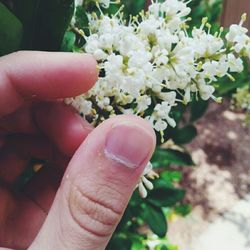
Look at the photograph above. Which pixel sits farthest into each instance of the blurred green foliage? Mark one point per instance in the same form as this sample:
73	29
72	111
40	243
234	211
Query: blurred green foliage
209	8
34	24
10	32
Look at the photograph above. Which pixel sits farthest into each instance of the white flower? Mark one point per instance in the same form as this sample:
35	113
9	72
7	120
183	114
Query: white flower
169	97
206	91
143	102
144	182
160	125
160	118
235	32
235	64
238	38
99	55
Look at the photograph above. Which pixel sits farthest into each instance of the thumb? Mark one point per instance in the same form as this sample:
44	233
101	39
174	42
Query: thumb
97	186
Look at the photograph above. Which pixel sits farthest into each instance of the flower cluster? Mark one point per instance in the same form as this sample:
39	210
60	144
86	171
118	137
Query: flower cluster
153	62
150	64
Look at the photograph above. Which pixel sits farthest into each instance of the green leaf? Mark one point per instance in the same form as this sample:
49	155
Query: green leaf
45	22
138	245
133	7
183	209
119	242
184	135
26	11
198	109
171	176
155	219
178	112
52	22
166	196
162	247
10	31
68	41
127	216
165	157
166	247
225	87
82	20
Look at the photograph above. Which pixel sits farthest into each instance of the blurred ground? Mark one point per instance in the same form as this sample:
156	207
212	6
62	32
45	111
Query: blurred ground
218	187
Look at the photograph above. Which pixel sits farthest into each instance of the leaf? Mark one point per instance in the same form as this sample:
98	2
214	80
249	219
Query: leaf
166	196
52	22
162	247
184	135
119	242
82	20
68	41
165	157
155	219
183	209
26	11
225	87
45	22
10	31
127	216
133	7
166	247
178	112
171	176
198	109
138	245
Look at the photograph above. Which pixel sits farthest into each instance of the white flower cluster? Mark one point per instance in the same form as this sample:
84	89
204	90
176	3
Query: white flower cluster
150	64
153	62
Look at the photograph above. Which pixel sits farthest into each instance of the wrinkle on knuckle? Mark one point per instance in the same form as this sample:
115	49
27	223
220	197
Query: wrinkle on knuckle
92	214
112	194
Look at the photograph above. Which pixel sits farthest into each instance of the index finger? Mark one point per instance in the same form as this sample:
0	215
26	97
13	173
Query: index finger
44	75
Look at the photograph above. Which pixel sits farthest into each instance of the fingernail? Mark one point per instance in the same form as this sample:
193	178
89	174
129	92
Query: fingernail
128	144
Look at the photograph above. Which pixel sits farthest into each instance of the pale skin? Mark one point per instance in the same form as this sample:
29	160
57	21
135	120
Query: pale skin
76	201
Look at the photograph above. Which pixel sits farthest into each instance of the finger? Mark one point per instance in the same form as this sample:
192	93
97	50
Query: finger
43	75
62	125
2	141
36	146
39	147
20	219
97	186
20	121
43	186
11	166
59	122
28	210
18	151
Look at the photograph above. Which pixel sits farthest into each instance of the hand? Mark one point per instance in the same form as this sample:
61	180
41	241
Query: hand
81	209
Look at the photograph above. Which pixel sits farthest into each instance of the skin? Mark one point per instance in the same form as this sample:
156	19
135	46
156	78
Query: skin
77	200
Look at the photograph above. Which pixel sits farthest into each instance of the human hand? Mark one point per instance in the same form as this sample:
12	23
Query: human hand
82	209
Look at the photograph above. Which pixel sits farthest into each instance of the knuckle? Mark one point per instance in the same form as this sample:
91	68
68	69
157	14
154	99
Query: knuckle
91	213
